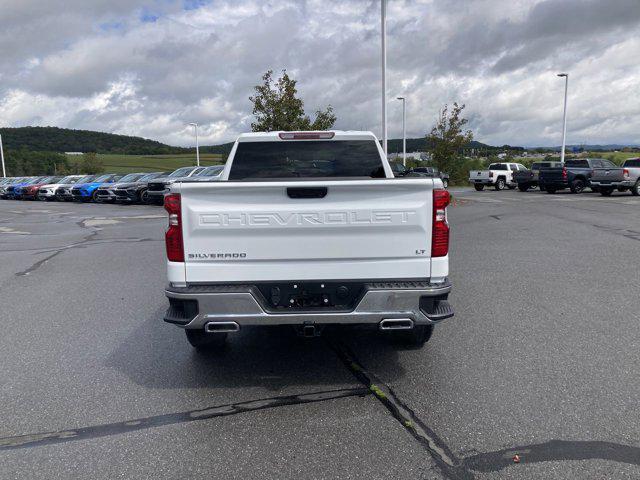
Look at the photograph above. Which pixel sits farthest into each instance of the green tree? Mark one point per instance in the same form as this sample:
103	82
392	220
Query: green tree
90	164
276	107
448	136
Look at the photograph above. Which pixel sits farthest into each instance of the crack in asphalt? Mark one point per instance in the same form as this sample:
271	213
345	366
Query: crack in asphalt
450	466
96	431
554	450
455	469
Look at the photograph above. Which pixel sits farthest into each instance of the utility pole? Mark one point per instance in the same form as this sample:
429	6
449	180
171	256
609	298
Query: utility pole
383	15
195	125
564	116
4	172
404	131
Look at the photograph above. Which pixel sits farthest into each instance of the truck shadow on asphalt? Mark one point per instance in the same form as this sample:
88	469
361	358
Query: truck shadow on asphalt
156	355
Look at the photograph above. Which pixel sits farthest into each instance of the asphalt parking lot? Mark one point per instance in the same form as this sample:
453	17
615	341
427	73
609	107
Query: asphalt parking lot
540	361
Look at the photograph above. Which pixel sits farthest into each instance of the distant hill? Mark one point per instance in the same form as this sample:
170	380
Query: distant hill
420	145
54	139
591	148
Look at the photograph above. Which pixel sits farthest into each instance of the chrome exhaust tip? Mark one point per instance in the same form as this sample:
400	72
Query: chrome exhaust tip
221	327
396	324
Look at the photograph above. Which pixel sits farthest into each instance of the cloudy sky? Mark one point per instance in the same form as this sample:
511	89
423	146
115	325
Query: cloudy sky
148	67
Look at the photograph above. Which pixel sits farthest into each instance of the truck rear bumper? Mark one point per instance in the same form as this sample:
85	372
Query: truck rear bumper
196	306
615	184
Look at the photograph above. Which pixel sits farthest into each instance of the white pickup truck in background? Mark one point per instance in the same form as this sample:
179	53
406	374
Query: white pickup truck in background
499	175
307	229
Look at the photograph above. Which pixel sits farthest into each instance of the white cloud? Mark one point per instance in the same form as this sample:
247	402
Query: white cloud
99	65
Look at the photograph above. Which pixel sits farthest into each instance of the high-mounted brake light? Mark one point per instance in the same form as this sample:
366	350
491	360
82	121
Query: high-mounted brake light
440	230
173	235
306	135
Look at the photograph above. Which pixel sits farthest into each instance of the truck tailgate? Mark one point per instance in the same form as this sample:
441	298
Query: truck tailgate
255	231
478	175
607	175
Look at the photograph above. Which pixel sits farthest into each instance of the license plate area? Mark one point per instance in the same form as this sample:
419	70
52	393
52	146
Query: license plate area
310	296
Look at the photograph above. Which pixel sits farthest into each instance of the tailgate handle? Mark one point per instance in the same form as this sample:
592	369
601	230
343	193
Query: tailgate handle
307	192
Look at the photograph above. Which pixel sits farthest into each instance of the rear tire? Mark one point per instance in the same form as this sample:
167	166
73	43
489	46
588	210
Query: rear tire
144	197
94	197
206	342
577	186
606	192
500	184
479	187
414	338
635	190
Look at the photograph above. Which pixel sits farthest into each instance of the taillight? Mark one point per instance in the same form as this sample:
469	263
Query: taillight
440	230
173	235
625	173
564	173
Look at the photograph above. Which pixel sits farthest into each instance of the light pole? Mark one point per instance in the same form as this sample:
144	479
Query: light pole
195	125
383	15
4	173
404	131
564	117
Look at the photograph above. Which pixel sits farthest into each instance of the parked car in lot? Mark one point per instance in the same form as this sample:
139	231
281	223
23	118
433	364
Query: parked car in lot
19	189
86	192
160	186
9	183
527	179
209	174
307	229
575	175
48	191
63	192
433	172
136	192
105	193
607	179
30	192
499	175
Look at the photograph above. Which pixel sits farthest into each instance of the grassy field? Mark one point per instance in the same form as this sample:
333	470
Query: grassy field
114	163
615	157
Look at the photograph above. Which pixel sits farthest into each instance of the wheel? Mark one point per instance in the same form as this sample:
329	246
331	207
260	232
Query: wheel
415	337
144	197
445	183
577	186
479	187
94	197
206	342
635	190
550	190
606	192
523	187
500	184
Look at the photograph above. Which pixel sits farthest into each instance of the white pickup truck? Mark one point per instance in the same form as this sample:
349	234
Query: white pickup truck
499	175
307	229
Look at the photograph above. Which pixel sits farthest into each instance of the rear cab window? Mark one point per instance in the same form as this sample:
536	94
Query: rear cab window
498	166
634	162
307	160
577	163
